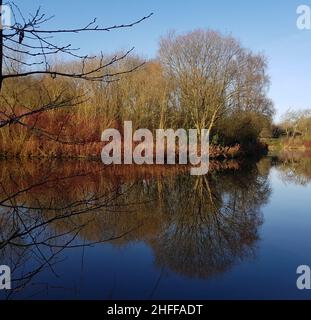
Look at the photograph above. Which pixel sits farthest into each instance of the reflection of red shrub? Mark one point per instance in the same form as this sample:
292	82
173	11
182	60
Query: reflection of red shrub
307	144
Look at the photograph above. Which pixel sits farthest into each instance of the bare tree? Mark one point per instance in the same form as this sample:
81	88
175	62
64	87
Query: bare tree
213	75
297	123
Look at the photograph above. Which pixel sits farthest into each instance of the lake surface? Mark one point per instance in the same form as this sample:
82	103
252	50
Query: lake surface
79	230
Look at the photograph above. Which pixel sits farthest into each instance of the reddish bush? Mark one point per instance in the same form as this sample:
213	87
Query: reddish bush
307	144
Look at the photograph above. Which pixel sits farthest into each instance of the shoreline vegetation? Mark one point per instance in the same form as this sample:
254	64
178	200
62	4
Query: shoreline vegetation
292	133
92	151
201	80
288	145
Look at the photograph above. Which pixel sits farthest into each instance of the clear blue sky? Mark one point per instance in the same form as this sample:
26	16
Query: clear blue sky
268	26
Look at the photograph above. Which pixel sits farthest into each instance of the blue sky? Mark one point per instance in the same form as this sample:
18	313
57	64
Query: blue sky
267	26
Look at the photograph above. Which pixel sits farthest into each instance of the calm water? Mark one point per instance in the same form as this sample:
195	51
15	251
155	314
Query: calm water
83	231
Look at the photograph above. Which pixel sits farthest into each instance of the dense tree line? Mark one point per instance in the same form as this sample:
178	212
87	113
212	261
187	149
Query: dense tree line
201	79
296	123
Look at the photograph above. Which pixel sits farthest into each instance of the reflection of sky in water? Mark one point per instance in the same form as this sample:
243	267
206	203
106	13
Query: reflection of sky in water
132	270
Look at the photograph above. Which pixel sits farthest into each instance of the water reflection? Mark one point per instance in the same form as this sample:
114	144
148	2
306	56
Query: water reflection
195	226
294	167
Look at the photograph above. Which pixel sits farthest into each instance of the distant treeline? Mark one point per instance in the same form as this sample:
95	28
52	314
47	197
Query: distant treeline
294	124
292	132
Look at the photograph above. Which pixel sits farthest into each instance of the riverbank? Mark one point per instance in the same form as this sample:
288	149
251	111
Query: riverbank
92	151
288	144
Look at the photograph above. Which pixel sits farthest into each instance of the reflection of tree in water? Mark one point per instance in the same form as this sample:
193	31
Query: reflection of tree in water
45	211
196	226
294	167
211	221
